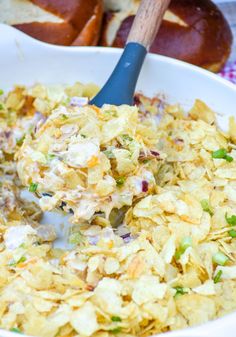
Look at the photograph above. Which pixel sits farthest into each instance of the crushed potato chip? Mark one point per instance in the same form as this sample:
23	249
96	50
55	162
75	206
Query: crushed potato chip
152	208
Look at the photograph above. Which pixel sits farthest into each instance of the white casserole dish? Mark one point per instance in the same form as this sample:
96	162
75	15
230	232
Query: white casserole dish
24	60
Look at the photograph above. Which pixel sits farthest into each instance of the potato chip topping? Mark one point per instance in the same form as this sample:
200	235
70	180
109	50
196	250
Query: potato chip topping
151	192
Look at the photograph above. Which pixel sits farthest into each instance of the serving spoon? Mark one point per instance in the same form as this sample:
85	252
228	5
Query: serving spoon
120	87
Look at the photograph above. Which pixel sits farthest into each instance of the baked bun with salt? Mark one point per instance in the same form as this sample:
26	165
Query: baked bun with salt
194	31
62	22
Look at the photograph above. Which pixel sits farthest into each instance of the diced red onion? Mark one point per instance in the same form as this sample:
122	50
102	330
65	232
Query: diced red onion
125	236
79	101
128	239
38	120
93	240
144	186
8	134
38	117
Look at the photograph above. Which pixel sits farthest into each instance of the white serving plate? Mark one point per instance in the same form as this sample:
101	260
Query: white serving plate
24	60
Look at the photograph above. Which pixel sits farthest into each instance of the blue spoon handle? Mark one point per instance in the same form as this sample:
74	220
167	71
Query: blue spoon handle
120	87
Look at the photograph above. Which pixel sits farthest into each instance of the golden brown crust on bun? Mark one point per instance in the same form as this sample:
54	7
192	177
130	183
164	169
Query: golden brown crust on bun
90	34
56	33
194	31
79	21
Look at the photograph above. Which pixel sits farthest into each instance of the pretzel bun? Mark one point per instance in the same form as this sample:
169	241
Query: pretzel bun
62	22
194	31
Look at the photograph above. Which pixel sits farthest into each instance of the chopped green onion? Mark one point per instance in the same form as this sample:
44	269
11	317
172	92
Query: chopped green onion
206	207
220	258
50	156
82	135
16	330
1	106
76	238
221	154
232	233
178	254
117	216
217	277
20	141
33	187
14	263
229	158
21	260
64	117
120	181
127	137
185	243
31	130
37	243
111	113
1	92
180	291
109	154
116	319
66	101
116	330
231	220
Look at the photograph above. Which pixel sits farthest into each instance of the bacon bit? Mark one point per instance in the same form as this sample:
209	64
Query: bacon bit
179	144
144	186
136	267
93	161
89	287
156	101
178	140
155	153
142	156
137	99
